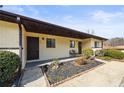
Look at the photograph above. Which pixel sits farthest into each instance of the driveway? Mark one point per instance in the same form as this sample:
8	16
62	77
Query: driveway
108	75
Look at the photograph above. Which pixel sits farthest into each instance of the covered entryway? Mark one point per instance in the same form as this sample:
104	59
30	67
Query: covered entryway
32	48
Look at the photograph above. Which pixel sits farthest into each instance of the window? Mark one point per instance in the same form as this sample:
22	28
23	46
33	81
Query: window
96	44
50	43
72	44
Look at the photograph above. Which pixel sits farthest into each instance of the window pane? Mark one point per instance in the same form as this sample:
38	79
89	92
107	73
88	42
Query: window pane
96	44
72	44
50	43
53	43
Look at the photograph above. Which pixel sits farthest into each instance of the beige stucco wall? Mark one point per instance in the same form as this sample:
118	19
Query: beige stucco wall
92	44
93	40
9	34
62	45
89	43
12	50
9	38
86	43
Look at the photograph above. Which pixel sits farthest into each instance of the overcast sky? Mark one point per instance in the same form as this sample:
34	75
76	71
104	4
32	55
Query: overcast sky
105	21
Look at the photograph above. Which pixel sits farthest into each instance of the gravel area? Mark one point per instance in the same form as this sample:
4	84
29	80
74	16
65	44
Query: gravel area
68	69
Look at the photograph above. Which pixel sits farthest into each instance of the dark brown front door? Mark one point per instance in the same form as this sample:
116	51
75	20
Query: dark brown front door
32	48
80	47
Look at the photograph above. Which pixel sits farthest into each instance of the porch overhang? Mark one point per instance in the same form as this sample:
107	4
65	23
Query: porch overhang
36	26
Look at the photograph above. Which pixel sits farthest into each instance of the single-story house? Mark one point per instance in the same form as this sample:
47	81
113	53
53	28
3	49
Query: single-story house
34	40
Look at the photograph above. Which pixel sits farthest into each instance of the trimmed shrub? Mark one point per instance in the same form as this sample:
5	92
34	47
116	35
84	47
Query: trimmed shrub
116	54
100	53
105	58
9	64
88	52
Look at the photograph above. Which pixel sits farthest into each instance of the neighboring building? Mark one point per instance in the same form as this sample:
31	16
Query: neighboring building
121	48
35	40
107	44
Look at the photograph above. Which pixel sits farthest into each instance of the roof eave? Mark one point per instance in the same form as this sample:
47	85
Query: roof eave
14	16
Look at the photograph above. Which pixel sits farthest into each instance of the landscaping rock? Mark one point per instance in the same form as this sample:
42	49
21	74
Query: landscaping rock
68	69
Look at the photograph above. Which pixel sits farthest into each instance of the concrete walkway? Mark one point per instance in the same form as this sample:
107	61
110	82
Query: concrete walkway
108	75
33	77
111	74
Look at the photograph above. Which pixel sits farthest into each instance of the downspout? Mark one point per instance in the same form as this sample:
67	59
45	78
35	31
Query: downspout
20	71
20	39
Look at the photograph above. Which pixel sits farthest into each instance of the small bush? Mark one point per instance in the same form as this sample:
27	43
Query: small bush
116	54
88	52
99	53
9	63
105	58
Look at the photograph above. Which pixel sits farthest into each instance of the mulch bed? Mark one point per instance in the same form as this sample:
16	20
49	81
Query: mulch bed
66	70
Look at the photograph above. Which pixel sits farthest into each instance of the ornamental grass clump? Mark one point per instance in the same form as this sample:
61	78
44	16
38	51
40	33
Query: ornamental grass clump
55	64
81	61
